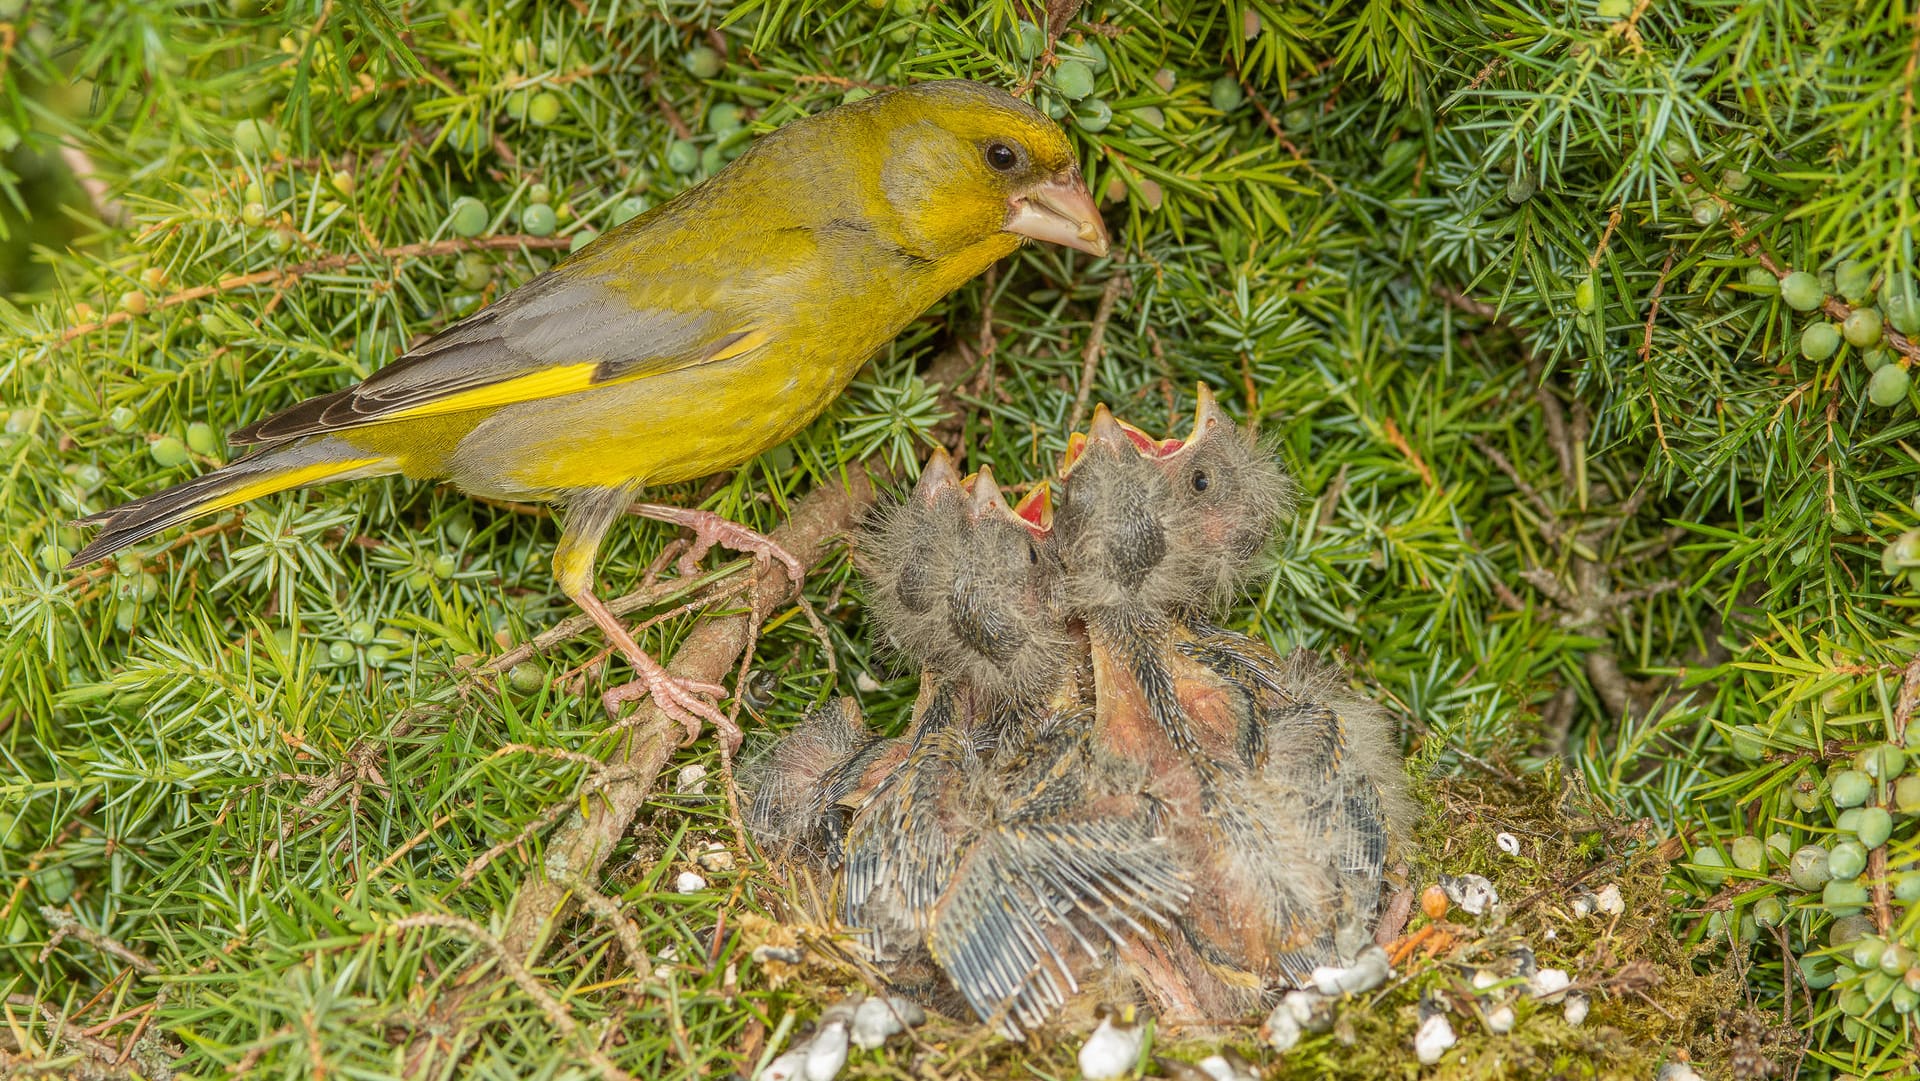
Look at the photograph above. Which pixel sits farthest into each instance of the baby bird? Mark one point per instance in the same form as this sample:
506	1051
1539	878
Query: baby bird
987	846
966	587
1330	731
1327	739
1249	755
1065	874
796	813
961	583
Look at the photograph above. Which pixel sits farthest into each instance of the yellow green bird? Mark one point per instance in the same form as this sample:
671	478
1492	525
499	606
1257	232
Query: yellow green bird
685	341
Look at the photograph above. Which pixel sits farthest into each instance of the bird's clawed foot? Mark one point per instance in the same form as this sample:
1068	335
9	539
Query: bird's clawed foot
1432	939
710	529
687	702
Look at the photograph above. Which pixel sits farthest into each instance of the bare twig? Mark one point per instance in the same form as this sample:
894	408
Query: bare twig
1096	339
1399	442
1646	349
1550	518
283	277
1467	304
609	912
1600	249
104	1052
1908	700
65	926
397	854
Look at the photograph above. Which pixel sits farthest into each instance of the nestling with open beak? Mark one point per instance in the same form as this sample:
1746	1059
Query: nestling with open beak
966	587
1286	828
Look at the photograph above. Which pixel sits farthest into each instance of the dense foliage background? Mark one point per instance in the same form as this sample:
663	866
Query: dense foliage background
1501	282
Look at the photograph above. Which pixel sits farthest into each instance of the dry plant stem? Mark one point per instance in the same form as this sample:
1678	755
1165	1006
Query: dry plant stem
361	766
599	777
608	911
1646	347
555	1010
409	845
99	1049
1280	135
1096	340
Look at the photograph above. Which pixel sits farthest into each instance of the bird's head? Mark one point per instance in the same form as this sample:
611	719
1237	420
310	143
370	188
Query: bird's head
968	169
1000	594
1166	523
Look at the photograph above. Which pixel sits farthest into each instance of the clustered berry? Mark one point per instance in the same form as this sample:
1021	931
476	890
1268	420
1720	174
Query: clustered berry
1864	328
1835	883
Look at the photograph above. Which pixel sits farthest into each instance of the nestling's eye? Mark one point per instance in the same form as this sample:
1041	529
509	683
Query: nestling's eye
1001	156
1033	554
1200	480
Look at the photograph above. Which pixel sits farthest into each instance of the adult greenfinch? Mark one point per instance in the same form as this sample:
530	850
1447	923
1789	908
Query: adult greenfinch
685	341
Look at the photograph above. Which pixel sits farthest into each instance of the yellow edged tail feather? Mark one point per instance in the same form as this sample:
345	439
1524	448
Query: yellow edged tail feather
274	470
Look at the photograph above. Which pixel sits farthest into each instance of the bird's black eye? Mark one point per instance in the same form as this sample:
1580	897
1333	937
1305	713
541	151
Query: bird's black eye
1001	156
1200	481
1033	554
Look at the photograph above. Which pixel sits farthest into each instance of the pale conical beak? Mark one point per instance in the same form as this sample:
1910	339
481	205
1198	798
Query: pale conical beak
1206	413
987	498
1059	210
1076	446
1106	432
937	478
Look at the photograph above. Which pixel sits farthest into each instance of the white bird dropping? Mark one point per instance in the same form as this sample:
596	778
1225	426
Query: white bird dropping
827	1053
873	1022
1281	1030
1609	901
1433	1039
1549	982
1577	1006
1112	1049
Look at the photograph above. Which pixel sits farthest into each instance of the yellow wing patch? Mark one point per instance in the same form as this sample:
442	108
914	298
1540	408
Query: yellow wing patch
547	383
735	344
561	380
